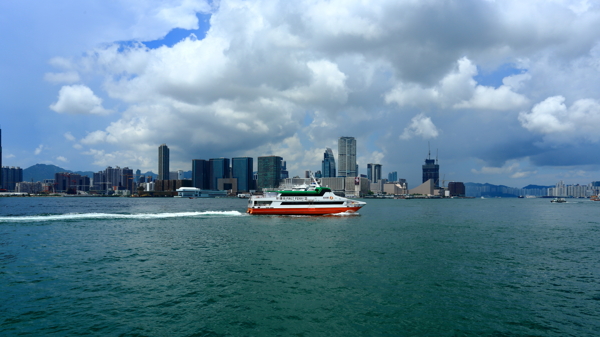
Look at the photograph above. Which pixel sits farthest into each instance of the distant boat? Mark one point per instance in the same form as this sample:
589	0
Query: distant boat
594	198
558	200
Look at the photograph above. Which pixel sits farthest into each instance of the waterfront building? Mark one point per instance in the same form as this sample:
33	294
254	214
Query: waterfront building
29	187
200	174
269	172
284	172
114	179
67	182
393	176
347	157
218	168
328	164
374	172
431	170
10	177
163	162
1	173
456	189
241	168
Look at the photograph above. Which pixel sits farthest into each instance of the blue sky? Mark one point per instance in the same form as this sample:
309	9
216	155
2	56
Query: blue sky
502	94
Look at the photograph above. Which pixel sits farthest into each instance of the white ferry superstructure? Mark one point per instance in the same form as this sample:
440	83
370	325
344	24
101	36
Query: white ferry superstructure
314	200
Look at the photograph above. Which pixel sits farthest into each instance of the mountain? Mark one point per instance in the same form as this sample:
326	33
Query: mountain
40	172
535	187
489	190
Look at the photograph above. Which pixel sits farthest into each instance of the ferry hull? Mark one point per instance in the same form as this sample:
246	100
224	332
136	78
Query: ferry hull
303	211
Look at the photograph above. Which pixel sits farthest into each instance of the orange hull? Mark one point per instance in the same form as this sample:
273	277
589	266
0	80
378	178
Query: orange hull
302	211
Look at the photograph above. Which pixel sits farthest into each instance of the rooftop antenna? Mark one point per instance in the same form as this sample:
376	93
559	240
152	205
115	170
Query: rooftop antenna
436	156
428	150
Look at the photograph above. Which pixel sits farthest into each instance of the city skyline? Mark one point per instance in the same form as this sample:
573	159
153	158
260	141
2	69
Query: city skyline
505	96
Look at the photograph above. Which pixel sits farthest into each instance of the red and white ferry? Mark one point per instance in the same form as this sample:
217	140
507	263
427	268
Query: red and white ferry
308	200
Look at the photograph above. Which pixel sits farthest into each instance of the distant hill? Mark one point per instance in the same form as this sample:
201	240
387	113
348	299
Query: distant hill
489	190
39	172
534	187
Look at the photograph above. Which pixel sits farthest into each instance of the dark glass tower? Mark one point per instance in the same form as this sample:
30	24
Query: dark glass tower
200	174
328	164
1	159
431	170
163	162
269	172
242	170
219	168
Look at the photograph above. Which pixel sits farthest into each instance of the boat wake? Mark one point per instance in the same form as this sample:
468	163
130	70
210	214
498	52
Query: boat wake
99	216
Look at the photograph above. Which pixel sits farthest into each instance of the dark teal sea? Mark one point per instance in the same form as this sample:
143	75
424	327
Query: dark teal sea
202	267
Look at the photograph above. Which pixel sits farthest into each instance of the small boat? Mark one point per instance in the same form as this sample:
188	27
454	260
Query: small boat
594	198
305	200
558	200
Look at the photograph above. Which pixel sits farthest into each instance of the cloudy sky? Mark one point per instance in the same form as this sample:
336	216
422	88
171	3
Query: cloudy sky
506	92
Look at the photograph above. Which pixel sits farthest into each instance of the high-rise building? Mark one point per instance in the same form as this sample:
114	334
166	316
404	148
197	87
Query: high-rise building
71	182
10	177
114	179
163	162
393	176
241	169
328	164
284	172
347	157
1	186
218	168
374	172
200	174
269	172
431	170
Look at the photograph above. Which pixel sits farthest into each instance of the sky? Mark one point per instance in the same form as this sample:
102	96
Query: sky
504	92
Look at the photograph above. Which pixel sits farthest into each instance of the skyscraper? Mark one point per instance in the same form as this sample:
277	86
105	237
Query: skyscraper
218	168
374	172
393	176
347	157
269	172
241	168
328	164
1	159
163	162
200	174
431	170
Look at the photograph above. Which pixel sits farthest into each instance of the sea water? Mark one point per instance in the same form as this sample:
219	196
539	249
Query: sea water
203	267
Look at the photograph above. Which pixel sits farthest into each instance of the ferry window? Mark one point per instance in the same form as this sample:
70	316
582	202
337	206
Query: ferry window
263	203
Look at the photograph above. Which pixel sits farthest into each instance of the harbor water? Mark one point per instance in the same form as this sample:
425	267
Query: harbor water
203	267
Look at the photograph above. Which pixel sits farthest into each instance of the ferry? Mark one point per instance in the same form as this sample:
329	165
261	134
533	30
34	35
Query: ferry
305	200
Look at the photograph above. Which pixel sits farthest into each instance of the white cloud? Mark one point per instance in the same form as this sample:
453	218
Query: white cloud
78	99
459	90
69	136
62	159
289	78
420	125
511	169
563	124
66	77
38	150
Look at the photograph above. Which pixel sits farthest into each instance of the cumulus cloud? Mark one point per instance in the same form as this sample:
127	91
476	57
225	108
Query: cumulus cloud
65	77
459	90
420	125
511	168
38	150
78	99
69	136
287	78
62	159
562	124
